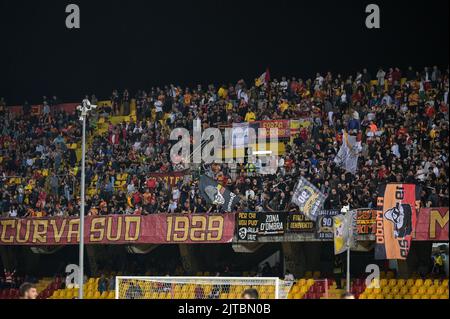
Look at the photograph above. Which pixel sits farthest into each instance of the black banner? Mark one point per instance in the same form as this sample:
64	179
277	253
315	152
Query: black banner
247	226
298	223
308	198
324	225
216	194
271	223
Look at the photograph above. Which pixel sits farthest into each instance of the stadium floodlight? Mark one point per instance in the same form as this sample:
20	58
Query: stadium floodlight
84	108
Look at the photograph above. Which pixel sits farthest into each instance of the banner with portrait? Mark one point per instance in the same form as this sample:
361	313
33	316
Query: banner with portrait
397	209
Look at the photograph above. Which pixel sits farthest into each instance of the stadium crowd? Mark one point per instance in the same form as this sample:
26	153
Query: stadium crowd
402	125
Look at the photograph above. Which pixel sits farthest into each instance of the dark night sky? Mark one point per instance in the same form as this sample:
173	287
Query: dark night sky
140	43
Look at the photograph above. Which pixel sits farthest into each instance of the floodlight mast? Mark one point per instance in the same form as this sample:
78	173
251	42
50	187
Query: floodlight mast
84	108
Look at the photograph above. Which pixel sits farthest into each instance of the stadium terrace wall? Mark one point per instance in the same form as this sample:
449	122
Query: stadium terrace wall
119	229
432	225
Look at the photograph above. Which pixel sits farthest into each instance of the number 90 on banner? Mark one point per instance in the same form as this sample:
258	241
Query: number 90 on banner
194	228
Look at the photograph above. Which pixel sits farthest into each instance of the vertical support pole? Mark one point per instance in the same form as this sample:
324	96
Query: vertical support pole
81	248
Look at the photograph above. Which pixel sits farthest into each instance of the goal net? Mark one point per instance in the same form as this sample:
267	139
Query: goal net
199	287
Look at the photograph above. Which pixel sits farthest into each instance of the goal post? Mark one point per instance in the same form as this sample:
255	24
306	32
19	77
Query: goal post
132	287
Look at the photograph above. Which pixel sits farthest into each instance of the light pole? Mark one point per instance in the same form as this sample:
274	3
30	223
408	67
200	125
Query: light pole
84	108
346	211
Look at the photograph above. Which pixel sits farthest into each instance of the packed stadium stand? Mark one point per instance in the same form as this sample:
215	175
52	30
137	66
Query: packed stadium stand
401	119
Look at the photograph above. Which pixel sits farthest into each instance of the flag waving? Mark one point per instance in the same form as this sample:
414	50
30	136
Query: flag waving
397	208
344	229
263	79
216	194
348	154
308	198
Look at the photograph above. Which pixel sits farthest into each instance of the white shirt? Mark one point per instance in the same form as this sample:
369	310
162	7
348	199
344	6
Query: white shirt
172	207
436	171
244	96
137	145
176	194
289	277
320	80
130	188
249	193
380	77
395	151
421	175
158	106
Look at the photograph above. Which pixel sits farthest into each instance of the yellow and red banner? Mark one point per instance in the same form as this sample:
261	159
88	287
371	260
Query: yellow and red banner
283	126
397	209
171	178
366	221
119	229
432	224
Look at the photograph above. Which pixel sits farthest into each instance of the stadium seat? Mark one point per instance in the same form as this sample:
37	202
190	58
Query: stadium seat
296	289
392	282
385	290
422	290
401	282
428	282
301	282
431	291
413	290
410	282
395	290
440	290
377	291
